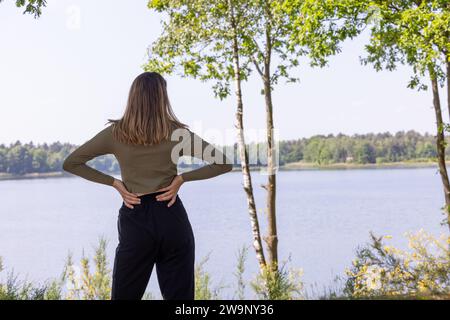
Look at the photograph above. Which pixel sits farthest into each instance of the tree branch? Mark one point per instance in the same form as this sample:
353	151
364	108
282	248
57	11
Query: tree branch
257	66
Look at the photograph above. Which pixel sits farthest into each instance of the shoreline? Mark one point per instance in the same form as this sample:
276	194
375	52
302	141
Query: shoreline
294	166
35	175
353	166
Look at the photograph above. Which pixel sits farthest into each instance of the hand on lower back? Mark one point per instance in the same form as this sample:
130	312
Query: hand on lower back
171	191
128	198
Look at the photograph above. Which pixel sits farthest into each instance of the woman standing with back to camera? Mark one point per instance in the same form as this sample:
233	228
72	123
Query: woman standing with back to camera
153	226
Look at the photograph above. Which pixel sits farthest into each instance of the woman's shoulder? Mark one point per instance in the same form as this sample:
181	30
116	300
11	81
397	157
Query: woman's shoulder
107	131
105	134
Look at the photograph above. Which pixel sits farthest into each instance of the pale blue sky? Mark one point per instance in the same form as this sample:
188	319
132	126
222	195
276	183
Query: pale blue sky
61	78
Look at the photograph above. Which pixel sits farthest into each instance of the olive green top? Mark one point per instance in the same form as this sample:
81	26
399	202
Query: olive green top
145	169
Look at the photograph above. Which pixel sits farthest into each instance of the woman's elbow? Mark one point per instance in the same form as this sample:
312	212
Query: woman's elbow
227	167
68	165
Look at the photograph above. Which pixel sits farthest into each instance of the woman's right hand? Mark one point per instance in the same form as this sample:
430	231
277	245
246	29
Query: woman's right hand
128	198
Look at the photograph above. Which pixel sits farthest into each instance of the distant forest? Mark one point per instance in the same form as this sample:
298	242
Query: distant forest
19	159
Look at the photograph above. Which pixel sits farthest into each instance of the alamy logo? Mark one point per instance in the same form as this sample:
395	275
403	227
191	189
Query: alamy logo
226	151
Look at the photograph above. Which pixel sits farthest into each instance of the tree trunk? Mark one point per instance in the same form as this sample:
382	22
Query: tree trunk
247	179
440	144
448	84
272	237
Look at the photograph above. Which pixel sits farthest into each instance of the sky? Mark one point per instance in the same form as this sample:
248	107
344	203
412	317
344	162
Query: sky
63	75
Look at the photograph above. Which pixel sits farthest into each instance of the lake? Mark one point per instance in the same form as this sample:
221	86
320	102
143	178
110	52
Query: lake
323	216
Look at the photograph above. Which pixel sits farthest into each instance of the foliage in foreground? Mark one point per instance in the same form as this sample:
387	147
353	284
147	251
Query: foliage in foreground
84	285
15	289
86	282
204	290
283	284
381	270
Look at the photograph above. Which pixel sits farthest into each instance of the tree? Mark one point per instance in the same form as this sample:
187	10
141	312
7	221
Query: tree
365	153
288	30
414	33
39	160
199	39
19	160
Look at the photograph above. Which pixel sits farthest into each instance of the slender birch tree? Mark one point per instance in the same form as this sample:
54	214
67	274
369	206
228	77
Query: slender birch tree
285	31
235	22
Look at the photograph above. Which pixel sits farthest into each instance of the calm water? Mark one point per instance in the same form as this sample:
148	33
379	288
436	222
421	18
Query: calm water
322	218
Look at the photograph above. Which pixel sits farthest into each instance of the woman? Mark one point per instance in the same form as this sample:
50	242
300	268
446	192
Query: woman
153	225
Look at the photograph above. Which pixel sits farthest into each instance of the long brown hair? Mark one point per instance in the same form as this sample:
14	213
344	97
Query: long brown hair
148	118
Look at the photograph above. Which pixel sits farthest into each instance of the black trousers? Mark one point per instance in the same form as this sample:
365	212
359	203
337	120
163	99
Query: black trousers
153	234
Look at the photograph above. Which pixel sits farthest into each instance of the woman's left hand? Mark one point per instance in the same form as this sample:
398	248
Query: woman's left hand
171	191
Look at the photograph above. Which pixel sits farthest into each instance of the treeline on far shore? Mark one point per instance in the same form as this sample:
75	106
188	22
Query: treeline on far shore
23	158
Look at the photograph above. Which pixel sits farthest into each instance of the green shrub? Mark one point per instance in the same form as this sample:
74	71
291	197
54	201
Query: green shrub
380	270
85	285
15	289
239	274
281	284
203	283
